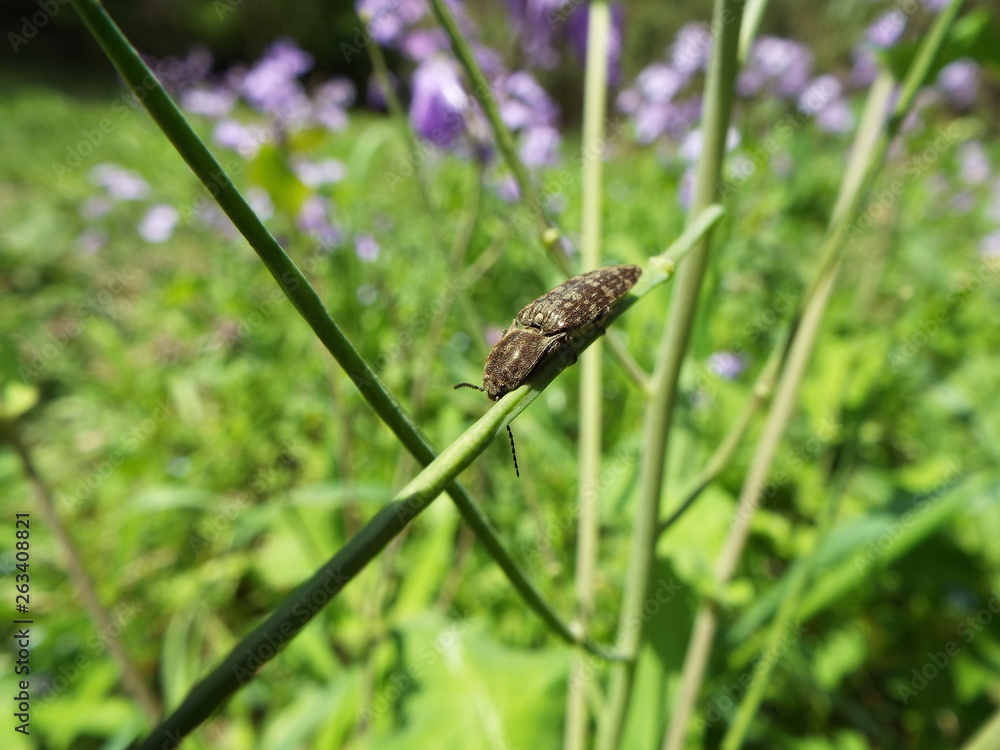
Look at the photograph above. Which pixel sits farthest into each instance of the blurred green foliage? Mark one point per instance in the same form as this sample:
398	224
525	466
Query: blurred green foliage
206	455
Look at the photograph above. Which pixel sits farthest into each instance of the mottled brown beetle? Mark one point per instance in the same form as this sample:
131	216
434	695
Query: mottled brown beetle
550	323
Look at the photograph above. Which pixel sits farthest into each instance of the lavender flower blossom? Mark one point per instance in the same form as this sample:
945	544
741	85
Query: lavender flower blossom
691	49
314	220
887	29
974	165
727	365
387	20
366	248
960	82
158	224
439	102
272	84
121	184
783	62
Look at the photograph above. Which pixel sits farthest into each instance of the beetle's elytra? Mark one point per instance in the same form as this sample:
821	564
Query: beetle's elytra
579	302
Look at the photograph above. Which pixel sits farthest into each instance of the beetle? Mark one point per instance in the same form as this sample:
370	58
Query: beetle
548	325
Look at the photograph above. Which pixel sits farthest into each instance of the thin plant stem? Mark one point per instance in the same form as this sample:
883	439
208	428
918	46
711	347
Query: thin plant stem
481	90
988	736
672	350
870	152
295	286
77	571
760	394
300	607
589	473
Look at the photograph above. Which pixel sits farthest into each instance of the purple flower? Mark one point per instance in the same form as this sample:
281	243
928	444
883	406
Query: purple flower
822	99
330	103
181	73
836	117
211	102
524	104
974	165
319	173
272	84
366	248
420	44
690	51
989	249
887	29
246	139
864	69
935	6
508	190
386	20
90	241
121	184
314	220
783	62
537	22
818	93
158	224
960	82
540	146
685	191
96	206
439	102
727	365
690	148
659	83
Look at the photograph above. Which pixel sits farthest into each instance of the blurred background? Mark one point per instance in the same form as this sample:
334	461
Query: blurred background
203	454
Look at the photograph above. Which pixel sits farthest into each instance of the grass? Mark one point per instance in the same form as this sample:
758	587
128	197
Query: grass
264	459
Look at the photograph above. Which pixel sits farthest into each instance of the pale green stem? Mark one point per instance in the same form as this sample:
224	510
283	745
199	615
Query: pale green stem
298	609
672	350
589	473
853	191
481	89
988	736
752	16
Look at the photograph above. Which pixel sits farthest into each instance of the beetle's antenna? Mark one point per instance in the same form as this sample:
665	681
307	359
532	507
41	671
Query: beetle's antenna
470	385
513	452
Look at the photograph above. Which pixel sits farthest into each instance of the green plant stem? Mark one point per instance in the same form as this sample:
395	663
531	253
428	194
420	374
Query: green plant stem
295	612
589	473
481	90
862	170
296	287
760	395
76	569
672	350
988	736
